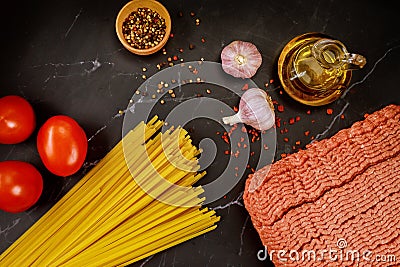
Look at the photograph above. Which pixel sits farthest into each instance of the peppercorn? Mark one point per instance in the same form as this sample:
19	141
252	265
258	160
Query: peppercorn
144	28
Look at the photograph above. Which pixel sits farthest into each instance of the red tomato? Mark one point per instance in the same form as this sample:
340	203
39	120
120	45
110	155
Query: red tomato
20	186
17	119
62	145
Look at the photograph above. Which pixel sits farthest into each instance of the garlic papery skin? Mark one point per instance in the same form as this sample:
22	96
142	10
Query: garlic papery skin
255	109
241	59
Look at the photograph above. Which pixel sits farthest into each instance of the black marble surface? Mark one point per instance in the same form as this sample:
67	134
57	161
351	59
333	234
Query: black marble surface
65	58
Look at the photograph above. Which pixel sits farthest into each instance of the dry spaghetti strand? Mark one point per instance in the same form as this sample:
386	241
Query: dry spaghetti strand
113	215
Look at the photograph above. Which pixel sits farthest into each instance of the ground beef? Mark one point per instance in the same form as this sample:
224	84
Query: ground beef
345	187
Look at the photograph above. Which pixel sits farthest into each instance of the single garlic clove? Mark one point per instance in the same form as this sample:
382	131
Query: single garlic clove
241	59
255	109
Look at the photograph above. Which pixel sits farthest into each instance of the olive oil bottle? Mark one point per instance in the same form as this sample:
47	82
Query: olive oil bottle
315	69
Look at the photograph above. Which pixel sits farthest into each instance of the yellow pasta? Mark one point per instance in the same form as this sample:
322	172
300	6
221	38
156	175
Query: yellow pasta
113	216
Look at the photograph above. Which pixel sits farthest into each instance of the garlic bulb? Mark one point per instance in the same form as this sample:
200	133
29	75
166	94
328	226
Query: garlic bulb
255	109
241	59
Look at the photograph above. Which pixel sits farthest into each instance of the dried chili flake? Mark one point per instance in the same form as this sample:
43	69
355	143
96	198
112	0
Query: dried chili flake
275	102
286	139
281	108
291	121
271	81
244	130
236	168
248	166
278	122
226	152
329	111
280	92
225	138
312	121
283	155
366	115
308	112
297	118
297	143
306	133
245	87
171	35
252	153
244	146
175	58
265	147
241	139
342	116
218	133
239	144
203	40
234	127
281	131
235	108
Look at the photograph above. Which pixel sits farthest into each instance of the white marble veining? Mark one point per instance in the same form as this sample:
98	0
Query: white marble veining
237	201
73	23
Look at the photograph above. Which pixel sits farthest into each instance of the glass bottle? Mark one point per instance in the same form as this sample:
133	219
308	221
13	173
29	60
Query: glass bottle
315	69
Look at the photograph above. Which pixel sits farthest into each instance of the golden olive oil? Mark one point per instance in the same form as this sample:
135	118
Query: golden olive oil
313	69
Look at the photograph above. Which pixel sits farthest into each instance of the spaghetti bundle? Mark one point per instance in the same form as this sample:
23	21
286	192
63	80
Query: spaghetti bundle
114	216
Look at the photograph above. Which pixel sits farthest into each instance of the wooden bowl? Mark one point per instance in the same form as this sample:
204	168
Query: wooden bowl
133	6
